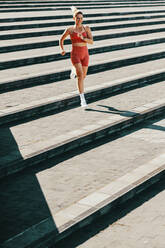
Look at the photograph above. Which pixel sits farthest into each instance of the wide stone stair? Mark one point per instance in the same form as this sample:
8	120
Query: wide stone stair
62	166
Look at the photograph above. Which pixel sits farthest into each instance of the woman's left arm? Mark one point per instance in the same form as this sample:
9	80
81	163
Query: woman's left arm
89	38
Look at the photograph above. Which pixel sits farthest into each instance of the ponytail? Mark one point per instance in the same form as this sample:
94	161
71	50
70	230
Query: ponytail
75	11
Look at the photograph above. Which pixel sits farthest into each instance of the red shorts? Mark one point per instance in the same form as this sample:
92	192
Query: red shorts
80	55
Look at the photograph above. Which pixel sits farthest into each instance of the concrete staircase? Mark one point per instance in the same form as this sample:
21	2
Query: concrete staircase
61	166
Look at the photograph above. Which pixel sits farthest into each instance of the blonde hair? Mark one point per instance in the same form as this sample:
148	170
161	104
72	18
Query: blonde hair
75	11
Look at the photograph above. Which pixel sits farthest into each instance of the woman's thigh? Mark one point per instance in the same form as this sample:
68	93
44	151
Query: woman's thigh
79	70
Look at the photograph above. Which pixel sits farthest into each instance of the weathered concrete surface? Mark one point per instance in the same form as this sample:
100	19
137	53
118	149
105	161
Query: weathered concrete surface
31	199
45	191
139	223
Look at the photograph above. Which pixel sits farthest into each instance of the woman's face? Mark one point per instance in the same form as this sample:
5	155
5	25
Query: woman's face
78	19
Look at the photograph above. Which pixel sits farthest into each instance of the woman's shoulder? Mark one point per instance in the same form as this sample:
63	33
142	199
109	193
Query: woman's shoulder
87	28
70	30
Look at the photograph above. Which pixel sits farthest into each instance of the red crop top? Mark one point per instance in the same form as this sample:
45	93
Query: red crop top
76	39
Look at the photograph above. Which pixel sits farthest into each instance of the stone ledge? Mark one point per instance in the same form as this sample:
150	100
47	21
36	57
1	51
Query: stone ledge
71	99
47	43
83	212
75	139
113	194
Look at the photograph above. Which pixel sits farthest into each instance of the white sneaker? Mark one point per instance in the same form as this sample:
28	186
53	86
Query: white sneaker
73	73
83	103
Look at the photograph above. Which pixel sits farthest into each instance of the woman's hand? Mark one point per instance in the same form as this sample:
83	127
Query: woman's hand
81	36
63	52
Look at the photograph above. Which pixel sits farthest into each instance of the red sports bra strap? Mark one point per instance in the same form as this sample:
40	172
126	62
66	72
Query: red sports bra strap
84	29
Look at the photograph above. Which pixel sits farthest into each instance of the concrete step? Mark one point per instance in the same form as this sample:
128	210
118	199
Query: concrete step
55	19
39	19
56	4
37	56
48	41
117	10
106	199
137	222
33	142
12	109
8	9
54	71
79	4
96	182
35	32
102	19
30	17
67	11
66	4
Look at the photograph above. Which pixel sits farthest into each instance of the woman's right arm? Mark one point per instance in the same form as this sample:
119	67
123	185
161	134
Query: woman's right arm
61	41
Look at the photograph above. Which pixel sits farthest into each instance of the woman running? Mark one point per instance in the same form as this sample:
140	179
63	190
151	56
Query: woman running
80	35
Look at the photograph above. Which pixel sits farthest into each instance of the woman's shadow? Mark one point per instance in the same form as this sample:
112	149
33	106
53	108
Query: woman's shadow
112	110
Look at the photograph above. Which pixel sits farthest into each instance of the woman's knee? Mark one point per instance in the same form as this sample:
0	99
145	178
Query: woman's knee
80	75
84	75
85	69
